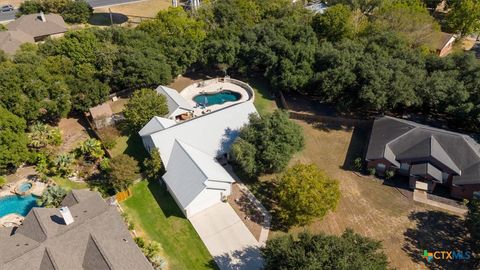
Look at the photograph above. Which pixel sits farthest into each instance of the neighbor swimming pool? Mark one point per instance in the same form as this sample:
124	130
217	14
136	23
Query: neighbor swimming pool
217	98
17	204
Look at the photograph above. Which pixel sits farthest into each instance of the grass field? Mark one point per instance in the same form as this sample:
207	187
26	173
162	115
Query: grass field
264	102
69	185
372	208
157	217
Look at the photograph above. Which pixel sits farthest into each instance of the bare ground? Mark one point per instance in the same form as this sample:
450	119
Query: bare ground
148	8
73	133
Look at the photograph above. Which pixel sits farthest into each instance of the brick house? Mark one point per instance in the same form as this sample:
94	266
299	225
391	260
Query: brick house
425	154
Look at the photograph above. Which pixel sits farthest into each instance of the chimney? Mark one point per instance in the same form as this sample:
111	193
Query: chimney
42	17
67	216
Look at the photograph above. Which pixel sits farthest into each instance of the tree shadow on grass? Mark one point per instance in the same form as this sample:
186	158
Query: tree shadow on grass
104	19
164	200
437	231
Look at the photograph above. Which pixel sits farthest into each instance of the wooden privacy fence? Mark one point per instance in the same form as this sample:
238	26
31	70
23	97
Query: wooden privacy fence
327	119
123	195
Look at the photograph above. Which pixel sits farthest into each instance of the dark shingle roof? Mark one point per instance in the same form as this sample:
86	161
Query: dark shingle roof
45	242
400	140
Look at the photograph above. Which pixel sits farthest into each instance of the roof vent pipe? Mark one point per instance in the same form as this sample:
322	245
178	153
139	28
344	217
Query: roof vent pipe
67	215
42	17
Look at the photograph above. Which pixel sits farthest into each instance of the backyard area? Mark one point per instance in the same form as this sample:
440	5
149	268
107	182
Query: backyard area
157	217
370	207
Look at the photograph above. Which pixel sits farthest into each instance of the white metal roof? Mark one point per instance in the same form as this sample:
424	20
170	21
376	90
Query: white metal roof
174	99
156	124
191	171
212	133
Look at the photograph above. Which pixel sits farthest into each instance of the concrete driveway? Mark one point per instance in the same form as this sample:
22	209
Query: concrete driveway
227	239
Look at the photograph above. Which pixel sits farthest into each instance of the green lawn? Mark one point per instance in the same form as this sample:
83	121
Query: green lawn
264	102
157	217
131	145
69	185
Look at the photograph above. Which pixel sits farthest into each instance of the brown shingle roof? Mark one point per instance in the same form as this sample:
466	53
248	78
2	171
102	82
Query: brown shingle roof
32	25
45	242
101	111
10	41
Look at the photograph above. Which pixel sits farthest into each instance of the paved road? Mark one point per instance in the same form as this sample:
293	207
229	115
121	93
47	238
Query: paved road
106	3
8	16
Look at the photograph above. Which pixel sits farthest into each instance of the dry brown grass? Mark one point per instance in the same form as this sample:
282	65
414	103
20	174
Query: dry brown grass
370	208
148	8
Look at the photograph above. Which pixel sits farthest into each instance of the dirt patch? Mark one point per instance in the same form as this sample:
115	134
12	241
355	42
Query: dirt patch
74	132
252	218
118	105
367	205
181	82
148	8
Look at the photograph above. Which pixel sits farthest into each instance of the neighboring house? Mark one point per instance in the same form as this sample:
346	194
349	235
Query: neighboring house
178	107
85	234
425	154
444	43
10	41
190	151
31	28
102	115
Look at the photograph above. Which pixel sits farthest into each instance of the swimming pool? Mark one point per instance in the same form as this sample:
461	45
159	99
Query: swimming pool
217	98
17	204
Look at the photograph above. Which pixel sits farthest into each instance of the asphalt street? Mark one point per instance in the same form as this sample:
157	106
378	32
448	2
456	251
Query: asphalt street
106	3
7	16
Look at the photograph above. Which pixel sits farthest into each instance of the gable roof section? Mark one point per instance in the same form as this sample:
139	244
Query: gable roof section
63	246
32	25
156	124
211	133
427	149
424	169
10	41
94	258
174	100
47	262
190	172
402	140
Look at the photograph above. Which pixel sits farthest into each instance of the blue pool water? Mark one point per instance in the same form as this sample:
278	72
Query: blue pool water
217	98
17	204
24	187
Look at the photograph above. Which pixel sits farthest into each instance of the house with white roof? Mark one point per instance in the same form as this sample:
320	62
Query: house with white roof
190	150
177	105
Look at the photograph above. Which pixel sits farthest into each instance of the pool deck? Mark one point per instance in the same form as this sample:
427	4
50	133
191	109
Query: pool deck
211	87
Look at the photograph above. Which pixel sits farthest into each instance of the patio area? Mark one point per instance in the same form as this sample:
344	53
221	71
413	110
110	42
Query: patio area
212	87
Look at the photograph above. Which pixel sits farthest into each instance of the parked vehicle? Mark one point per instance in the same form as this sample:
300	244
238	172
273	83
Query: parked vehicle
6	8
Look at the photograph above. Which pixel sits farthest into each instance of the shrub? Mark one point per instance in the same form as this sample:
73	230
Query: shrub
77	11
128	220
153	166
105	165
52	197
371	171
358	164
3	181
109	142
389	174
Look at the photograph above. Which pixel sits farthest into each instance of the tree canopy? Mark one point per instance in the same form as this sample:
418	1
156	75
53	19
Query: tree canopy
267	144
303	193
472	223
123	172
13	141
350	251
143	106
